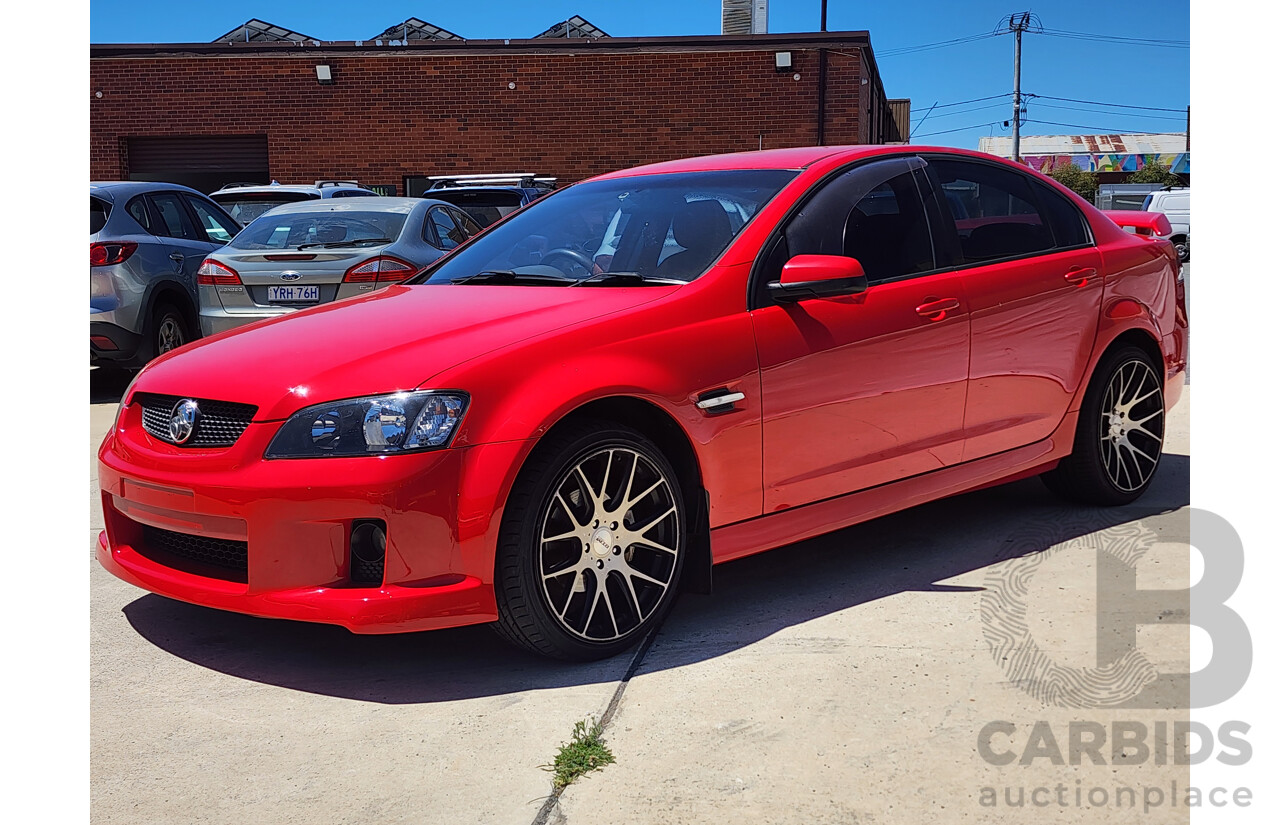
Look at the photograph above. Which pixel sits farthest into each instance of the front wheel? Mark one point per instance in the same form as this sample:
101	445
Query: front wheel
592	544
1120	433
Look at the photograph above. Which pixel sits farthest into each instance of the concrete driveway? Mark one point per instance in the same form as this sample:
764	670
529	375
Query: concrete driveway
843	679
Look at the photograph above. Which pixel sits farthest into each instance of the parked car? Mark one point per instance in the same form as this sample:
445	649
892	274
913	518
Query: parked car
512	437
1176	206
488	198
146	241
316	252
247	201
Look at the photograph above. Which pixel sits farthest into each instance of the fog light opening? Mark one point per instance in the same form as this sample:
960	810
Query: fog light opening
368	551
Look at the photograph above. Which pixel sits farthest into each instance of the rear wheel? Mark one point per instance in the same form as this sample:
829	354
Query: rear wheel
592	544
1182	246
1120	433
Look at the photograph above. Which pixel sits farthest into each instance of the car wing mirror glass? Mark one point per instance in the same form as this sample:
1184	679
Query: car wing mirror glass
818	276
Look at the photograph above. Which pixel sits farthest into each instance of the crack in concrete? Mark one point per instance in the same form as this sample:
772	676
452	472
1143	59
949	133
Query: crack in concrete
551	806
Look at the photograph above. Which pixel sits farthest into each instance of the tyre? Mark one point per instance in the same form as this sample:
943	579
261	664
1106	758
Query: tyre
592	544
1120	433
168	330
1183	247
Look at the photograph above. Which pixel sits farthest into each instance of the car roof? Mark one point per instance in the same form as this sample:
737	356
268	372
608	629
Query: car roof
287	187
374	204
112	189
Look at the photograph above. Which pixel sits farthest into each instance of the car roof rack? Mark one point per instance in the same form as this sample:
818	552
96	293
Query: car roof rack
320	184
527	180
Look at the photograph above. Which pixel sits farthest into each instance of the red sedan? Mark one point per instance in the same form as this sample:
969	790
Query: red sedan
585	407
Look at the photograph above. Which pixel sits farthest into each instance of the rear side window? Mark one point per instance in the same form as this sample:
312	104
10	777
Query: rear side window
994	211
448	234
1065	220
217	226
174	220
137	210
98	212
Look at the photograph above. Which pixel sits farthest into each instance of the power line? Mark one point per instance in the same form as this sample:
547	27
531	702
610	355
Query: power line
1107	38
1111	105
961	129
961	102
970	111
1100	129
1103	112
939	45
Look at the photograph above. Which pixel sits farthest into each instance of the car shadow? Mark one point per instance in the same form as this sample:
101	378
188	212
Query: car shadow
753	599
106	386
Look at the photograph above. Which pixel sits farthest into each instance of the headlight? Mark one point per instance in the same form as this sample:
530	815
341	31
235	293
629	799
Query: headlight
374	425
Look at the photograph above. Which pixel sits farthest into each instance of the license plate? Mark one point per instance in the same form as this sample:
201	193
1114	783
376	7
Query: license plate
293	294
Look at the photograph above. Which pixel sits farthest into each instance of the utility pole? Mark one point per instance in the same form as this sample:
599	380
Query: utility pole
1018	24
822	82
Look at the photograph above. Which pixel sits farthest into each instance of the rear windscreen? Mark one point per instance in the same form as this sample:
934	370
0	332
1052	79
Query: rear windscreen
246	206
484	207
294	230
98	212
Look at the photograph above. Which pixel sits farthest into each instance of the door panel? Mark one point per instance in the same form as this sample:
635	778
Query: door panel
865	389
1033	332
860	391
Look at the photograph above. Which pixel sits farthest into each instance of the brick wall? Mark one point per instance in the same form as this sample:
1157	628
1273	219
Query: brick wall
391	114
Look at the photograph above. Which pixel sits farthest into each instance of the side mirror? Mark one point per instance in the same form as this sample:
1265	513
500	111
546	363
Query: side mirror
818	276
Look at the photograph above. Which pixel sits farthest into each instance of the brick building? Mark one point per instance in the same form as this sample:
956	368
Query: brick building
389	112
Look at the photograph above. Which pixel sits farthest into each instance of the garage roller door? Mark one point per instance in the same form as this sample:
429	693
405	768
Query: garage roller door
202	162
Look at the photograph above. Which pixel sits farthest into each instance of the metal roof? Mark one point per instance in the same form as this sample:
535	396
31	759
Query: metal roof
575	26
259	31
1133	144
415	29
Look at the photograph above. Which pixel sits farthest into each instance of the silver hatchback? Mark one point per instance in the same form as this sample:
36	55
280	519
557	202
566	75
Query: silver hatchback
302	254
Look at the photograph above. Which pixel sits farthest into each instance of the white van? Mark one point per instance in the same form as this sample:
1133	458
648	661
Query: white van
1176	206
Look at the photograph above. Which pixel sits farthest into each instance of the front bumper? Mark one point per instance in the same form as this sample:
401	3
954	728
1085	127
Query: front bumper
295	517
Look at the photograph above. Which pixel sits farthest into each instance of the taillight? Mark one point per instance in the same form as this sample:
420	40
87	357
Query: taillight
380	270
212	273
106	253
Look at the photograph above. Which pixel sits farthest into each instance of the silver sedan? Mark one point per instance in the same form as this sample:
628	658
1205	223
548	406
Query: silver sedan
302	254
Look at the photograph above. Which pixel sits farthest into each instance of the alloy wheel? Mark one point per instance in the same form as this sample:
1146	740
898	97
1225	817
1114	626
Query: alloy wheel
609	544
1132	427
168	335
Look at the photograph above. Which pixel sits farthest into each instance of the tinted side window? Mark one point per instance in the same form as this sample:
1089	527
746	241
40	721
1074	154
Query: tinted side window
174	220
137	208
869	213
468	226
447	232
1064	218
994	211
217	226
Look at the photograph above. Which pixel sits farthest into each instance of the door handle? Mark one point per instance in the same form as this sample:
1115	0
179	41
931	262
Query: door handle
936	309
1080	275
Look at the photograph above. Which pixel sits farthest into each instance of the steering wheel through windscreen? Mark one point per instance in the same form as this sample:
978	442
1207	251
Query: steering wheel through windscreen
569	261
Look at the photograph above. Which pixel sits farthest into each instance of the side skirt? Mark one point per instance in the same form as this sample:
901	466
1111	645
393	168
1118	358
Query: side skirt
744	538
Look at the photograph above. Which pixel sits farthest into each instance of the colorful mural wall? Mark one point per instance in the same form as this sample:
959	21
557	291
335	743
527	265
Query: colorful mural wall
1178	162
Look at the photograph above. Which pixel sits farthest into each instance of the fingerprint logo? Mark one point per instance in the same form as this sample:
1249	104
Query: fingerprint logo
1005	609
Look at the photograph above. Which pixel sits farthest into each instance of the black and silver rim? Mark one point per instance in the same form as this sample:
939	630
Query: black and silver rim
1132	427
169	335
608	544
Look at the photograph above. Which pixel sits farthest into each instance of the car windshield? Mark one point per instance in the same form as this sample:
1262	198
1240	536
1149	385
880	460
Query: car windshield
669	226
246	206
291	230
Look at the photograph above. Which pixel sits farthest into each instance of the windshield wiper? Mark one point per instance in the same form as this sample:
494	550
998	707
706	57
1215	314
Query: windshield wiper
340	244
627	279
507	276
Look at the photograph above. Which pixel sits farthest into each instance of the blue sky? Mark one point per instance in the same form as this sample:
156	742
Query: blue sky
1053	66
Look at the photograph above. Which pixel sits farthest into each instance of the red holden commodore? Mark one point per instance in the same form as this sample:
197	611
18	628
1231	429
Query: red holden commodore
584	408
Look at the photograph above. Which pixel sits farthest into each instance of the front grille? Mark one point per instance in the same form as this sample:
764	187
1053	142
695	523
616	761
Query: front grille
219	425
223	553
